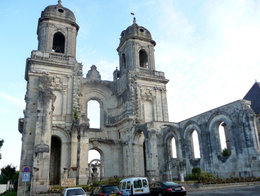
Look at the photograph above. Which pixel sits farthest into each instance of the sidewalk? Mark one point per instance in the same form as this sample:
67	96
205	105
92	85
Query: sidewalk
202	187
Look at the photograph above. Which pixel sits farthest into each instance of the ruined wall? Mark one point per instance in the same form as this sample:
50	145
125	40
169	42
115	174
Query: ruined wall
239	122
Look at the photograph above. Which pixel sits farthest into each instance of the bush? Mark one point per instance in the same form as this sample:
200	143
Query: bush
225	152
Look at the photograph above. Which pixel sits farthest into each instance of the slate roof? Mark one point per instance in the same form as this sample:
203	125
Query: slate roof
253	95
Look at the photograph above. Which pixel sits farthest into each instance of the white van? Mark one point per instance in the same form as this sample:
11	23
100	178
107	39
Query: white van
134	186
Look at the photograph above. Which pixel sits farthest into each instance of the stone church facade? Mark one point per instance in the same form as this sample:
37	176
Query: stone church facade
135	135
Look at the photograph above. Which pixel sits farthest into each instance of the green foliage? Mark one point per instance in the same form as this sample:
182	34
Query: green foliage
208	178
75	114
9	173
1	144
114	181
225	152
196	171
7	193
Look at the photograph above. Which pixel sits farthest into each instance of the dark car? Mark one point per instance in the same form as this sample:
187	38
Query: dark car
106	190
167	188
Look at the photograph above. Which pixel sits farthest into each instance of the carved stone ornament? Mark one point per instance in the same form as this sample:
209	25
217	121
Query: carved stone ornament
41	148
93	74
45	90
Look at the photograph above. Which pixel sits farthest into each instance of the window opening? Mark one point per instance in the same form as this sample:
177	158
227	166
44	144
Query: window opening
173	148
128	185
143	59
195	145
93	154
137	184
144	183
224	139
124	61
94	114
58	43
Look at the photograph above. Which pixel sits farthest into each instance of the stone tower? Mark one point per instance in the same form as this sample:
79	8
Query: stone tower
146	85
52	75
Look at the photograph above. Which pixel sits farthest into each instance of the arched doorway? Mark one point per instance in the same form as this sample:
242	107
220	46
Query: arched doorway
55	159
95	165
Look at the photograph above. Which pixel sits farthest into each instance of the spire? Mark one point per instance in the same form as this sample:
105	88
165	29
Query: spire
134	21
59	2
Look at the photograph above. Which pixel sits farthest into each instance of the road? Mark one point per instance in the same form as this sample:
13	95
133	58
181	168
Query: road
237	191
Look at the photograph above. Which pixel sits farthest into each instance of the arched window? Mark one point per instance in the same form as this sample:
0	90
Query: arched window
123	61
58	43
173	148
143	59
94	114
224	139
195	144
93	154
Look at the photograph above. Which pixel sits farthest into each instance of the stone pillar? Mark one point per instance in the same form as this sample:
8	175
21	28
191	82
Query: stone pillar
28	133
83	154
74	148
151	157
41	163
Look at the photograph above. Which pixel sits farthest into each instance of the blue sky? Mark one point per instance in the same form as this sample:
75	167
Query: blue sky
209	50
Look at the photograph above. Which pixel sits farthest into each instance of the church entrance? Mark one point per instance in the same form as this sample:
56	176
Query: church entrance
55	161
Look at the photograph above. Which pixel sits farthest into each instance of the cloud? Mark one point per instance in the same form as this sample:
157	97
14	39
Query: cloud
9	103
211	56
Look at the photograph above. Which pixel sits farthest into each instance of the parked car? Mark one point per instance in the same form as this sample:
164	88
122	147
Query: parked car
167	188
106	190
74	191
134	186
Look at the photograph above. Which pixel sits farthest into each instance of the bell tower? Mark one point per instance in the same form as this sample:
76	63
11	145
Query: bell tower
136	49
53	83
57	30
145	87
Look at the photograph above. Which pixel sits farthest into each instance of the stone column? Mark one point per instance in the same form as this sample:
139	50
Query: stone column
41	163
83	154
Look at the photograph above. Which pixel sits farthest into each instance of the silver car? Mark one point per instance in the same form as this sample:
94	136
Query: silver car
74	191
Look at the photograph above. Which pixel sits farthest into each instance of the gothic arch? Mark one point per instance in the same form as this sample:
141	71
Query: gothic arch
64	137
173	133
189	128
215	121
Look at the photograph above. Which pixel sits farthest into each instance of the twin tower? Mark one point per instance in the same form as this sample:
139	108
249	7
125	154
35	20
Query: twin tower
57	133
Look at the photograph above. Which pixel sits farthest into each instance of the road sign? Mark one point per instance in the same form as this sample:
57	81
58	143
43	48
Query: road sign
26	169
26	177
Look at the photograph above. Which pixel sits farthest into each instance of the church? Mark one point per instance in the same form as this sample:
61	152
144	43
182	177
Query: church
134	137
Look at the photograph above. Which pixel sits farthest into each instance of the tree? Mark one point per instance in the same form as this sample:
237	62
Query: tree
1	144
7	173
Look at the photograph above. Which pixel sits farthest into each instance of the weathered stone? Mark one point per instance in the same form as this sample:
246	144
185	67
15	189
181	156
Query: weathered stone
135	137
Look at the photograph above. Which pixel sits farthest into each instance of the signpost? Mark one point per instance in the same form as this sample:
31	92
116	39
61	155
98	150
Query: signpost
26	176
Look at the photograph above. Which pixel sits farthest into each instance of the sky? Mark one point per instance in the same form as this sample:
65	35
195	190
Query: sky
208	49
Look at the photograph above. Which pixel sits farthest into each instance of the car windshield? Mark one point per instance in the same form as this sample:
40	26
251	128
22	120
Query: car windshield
75	192
109	189
170	184
138	184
